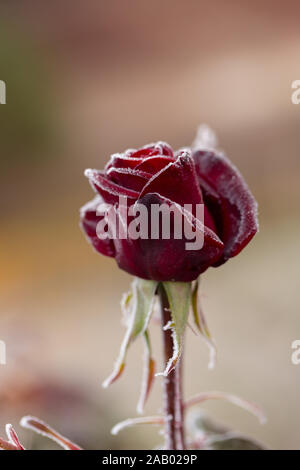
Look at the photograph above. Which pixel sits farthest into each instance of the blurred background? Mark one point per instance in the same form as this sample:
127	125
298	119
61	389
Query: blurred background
89	78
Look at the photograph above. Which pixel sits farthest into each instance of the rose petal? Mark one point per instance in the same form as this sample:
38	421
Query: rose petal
177	181
159	148
154	164
164	148
229	199
123	161
110	191
166	259
88	221
127	178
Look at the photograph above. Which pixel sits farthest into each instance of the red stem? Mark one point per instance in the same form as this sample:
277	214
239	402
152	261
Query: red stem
172	385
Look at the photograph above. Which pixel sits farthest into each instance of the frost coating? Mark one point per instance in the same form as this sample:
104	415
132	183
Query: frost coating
148	374
156	420
40	427
201	325
228	197
137	308
179	297
234	399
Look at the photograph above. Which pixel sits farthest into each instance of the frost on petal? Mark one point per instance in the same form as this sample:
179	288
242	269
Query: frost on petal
90	216
202	327
229	200
40	427
150	150
154	164
122	161
138	309
177	181
128	178
109	190
179	297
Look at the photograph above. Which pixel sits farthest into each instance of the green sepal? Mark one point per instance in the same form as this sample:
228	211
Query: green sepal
137	307
179	298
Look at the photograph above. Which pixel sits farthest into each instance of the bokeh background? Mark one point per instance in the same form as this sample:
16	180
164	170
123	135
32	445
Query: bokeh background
88	78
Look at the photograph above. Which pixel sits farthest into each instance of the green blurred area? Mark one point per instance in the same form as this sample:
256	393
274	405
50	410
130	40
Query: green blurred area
27	125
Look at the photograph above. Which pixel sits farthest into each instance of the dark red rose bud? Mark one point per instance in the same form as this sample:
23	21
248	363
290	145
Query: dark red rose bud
155	175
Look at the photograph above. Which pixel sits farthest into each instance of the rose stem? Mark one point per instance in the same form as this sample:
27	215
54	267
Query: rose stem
172	385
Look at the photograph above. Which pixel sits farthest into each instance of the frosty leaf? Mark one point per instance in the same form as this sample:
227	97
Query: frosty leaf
125	303
156	420
234	441
149	373
169	326
6	445
235	400
138	308
13	438
199	424
201	325
209	434
38	426
179	297
143	299
13	442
